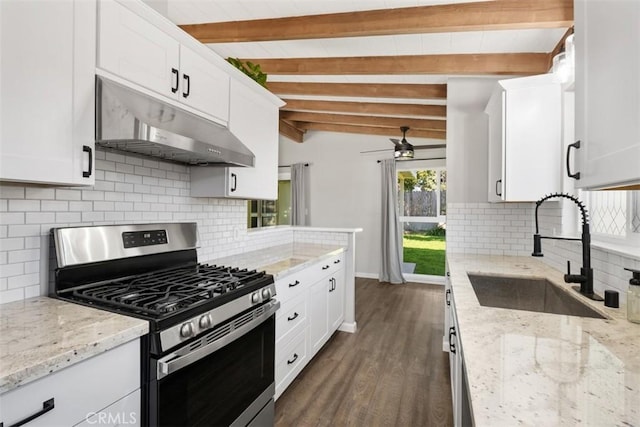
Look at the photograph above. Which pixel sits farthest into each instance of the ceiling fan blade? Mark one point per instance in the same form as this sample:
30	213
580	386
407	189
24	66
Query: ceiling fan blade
376	151
425	147
395	141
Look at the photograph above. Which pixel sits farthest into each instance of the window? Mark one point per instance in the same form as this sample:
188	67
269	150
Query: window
266	213
615	216
422	196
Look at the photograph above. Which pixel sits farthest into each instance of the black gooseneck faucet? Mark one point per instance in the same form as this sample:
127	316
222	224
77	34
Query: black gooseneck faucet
585	278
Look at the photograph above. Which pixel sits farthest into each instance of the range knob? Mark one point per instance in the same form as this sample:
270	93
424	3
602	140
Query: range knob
255	297
186	330
205	321
266	294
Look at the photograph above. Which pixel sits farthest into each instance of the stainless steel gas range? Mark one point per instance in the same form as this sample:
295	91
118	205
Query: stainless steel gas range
208	359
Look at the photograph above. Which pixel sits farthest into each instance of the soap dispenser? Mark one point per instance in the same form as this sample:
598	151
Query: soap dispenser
633	297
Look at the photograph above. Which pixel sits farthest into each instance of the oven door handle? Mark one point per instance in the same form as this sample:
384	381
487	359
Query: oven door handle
177	360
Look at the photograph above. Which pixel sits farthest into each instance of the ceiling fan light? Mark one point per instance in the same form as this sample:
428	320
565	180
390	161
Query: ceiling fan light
403	154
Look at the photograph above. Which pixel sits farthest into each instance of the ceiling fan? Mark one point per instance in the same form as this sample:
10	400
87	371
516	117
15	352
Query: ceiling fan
403	149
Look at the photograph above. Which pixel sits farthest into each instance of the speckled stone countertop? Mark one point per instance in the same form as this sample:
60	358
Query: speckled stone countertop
281	260
538	369
41	335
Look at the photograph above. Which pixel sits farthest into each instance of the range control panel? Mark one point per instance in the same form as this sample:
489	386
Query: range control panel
134	239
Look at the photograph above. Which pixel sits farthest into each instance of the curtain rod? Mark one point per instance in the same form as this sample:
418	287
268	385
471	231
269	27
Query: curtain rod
416	160
288	166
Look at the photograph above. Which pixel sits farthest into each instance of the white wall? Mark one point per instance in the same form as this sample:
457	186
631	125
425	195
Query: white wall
344	185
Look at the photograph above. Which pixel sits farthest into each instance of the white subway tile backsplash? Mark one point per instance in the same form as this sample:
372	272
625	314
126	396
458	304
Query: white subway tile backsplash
11	191
55	205
24	205
40	193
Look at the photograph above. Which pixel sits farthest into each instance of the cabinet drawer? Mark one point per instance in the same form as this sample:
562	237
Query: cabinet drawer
291	317
329	265
125	411
294	284
290	361
78	391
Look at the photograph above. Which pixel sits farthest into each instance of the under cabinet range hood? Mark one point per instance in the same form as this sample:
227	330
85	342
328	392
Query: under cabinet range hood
130	121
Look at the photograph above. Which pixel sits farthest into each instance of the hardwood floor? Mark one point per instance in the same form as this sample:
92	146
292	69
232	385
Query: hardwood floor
392	372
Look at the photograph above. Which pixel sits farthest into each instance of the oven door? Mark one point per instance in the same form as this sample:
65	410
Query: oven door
224	378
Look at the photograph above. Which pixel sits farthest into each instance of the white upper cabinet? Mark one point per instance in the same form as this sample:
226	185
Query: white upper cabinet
525	138
47	77
134	49
607	93
254	121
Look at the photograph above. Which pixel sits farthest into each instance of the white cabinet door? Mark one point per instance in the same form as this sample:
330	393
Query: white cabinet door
134	49
525	139
318	314
495	110
47	91
336	301
255	122
203	86
607	93
455	364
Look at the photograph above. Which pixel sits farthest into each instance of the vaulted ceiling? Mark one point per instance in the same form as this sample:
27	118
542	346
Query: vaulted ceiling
371	66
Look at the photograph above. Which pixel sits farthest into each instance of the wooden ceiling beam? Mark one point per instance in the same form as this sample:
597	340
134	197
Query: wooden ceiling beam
372	130
475	16
464	64
383	108
291	132
356	120
366	90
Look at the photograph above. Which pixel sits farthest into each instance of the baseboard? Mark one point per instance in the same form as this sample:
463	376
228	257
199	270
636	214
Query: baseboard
367	275
352	327
445	344
424	278
414	278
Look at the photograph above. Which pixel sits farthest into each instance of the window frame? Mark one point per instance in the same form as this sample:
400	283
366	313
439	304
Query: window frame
631	238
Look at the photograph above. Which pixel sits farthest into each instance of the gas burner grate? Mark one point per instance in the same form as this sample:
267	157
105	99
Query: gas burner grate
164	292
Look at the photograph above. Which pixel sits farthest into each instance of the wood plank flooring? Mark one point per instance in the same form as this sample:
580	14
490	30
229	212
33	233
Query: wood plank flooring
392	372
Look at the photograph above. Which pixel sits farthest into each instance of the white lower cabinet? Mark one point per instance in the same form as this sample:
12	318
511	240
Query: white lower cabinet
104	388
452	344
312	309
319	314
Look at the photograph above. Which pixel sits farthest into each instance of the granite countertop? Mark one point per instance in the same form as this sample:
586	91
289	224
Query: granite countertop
41	335
527	368
281	260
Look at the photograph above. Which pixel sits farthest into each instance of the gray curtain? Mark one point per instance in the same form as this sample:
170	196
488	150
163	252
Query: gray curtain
391	249
298	194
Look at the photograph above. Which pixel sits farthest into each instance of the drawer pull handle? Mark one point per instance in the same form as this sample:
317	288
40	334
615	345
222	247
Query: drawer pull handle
295	357
296	283
452	344
47	405
575	145
336	261
294	317
325	267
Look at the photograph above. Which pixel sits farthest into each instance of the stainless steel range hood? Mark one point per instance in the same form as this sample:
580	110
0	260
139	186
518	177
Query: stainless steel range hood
128	120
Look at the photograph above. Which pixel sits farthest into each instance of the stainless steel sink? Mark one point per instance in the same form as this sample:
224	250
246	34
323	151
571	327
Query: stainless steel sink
529	294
